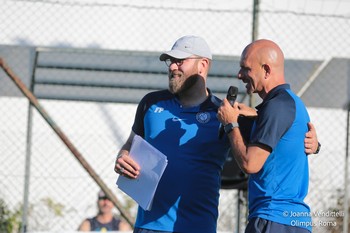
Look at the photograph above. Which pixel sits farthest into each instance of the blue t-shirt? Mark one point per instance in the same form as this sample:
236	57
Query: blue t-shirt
187	196
277	191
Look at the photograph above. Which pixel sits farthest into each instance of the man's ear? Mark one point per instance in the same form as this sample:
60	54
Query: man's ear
267	69
204	63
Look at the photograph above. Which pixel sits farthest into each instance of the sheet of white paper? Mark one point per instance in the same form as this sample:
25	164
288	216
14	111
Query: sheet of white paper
152	163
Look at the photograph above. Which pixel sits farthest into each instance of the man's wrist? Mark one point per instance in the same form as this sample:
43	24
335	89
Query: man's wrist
230	126
121	154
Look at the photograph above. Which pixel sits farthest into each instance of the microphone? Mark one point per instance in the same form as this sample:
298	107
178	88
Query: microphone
231	97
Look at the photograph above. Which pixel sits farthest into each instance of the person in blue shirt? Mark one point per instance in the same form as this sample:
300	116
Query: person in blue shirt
274	155
181	122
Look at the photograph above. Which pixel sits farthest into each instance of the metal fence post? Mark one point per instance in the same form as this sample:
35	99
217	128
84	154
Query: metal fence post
346	194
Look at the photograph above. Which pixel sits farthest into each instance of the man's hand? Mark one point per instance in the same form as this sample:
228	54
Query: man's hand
126	166
227	113
311	143
244	110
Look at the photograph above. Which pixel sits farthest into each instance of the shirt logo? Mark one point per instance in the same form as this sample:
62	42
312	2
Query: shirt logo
177	119
203	117
158	110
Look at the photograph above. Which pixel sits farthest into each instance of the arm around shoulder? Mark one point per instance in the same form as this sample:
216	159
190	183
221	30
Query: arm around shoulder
311	143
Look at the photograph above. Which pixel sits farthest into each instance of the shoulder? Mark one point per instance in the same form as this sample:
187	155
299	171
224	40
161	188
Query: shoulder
157	95
211	103
116	220
154	97
216	100
115	223
281	104
85	225
283	97
124	226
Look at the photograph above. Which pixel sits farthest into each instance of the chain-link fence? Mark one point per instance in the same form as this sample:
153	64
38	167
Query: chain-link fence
75	57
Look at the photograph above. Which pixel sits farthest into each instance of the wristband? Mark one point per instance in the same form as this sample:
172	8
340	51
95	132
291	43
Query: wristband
318	148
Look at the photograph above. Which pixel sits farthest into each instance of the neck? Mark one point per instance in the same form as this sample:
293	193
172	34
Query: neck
193	98
271	85
104	217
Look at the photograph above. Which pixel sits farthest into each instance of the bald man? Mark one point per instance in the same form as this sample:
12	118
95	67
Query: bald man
274	156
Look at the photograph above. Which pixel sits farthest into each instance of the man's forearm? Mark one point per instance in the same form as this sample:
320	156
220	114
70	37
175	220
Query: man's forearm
238	148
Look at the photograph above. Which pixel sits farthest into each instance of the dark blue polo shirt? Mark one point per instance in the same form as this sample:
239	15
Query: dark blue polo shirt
277	191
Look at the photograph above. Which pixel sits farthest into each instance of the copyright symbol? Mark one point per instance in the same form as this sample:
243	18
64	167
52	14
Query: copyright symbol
285	213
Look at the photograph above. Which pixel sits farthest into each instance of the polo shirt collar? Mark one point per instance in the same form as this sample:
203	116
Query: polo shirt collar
273	93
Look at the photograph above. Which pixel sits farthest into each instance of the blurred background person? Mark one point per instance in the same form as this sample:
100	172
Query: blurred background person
105	220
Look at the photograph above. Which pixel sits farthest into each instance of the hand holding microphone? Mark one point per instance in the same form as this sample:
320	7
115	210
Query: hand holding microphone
231	97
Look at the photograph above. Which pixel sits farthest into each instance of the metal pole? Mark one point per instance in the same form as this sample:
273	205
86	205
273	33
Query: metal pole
238	211
28	154
27	170
346	186
255	27
255	32
34	101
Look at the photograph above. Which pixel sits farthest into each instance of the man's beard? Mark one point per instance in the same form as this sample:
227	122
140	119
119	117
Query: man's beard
179	85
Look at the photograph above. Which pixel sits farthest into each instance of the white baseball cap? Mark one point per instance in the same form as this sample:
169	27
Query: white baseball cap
187	46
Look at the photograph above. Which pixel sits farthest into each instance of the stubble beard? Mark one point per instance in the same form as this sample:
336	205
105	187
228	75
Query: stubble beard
178	86
175	83
180	82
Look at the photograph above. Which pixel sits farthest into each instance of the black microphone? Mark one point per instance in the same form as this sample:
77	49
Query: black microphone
231	97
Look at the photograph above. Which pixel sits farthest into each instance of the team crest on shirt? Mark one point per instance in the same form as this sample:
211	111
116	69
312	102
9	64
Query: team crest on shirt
203	117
